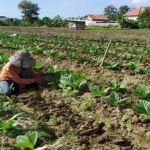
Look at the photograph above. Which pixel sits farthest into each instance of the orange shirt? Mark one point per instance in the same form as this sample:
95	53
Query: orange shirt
11	72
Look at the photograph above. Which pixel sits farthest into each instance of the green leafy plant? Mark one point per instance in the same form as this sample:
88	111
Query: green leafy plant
39	67
3	57
115	86
53	79
52	68
133	65
96	90
145	70
27	141
115	100
143	108
142	91
5	126
113	65
126	56
74	80
5	102
53	52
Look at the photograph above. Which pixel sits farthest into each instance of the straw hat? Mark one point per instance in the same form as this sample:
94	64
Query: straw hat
22	58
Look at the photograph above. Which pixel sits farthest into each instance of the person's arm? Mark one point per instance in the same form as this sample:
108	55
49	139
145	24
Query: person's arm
15	77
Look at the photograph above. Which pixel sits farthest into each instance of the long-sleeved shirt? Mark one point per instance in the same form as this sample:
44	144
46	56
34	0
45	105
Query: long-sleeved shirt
11	72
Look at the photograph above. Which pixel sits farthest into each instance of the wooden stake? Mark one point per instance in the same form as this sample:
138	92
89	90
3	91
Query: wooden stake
105	54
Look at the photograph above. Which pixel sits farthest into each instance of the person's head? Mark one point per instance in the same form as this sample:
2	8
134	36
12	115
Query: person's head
22	58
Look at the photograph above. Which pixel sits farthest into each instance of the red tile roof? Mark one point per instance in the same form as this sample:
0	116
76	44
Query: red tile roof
135	12
96	17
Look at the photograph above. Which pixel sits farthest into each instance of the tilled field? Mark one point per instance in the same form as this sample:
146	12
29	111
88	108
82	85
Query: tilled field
84	121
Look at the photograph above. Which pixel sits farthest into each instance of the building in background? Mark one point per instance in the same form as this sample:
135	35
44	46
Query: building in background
3	18
98	20
77	24
134	14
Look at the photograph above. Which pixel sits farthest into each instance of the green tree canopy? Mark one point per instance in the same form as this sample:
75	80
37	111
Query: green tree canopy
29	11
124	9
121	11
110	11
144	18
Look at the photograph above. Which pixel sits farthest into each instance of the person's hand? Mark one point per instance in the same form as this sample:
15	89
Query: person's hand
39	80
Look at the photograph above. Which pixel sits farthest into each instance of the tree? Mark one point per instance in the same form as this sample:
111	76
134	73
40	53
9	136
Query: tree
29	11
121	11
124	9
144	18
110	11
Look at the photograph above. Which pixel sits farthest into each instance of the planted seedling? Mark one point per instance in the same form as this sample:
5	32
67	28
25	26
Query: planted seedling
96	90
117	87
53	79
143	109
3	58
145	70
115	100
39	67
72	82
27	141
113	65
5	126
133	65
126	56
142	91
53	68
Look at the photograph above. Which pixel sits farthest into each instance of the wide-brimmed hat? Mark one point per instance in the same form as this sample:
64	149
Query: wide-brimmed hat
22	58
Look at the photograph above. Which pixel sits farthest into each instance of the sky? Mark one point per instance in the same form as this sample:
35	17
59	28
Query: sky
67	8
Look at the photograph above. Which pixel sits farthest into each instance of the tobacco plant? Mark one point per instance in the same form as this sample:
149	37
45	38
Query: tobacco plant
5	102
113	65
27	141
126	56
133	65
96	90
142	91
115	100
3	57
143	109
5	126
116	86
72	82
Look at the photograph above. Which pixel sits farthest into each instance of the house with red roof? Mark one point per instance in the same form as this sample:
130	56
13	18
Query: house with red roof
92	19
134	14
95	19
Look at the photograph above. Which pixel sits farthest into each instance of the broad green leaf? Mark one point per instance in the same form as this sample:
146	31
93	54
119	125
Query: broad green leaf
143	108
33	137
23	141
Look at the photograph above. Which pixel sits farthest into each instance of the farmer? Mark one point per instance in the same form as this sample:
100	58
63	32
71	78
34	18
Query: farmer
19	71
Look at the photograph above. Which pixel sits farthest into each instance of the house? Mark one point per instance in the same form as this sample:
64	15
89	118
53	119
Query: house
77	24
98	20
92	19
134	14
3	18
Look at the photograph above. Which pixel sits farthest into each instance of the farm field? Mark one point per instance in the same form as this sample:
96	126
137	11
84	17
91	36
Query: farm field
84	106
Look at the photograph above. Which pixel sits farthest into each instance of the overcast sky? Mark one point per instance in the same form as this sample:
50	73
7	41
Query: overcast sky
67	8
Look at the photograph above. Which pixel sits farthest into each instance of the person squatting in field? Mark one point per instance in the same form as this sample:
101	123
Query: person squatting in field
19	71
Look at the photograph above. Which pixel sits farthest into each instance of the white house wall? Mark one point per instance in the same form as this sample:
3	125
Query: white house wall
98	23
132	17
